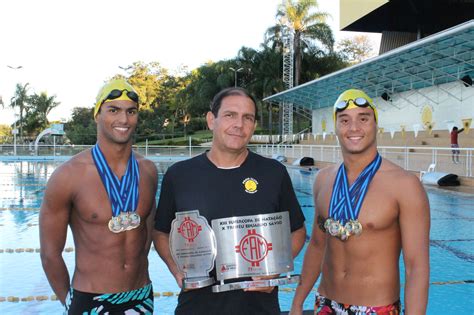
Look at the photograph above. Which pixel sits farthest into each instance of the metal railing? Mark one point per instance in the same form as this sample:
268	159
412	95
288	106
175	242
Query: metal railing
410	158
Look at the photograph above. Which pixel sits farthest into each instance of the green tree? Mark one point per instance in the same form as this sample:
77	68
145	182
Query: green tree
308	28
317	65
263	77
20	99
158	91
147	79
5	133
202	84
81	128
40	105
356	49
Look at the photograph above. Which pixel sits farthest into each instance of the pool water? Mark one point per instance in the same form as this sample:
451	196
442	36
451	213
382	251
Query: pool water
21	275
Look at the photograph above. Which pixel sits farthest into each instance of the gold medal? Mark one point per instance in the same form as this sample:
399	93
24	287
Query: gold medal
115	225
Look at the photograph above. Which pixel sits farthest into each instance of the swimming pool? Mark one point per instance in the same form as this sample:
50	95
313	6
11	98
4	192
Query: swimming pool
21	275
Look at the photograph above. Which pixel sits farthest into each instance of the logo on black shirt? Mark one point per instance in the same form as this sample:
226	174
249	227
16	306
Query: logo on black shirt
250	185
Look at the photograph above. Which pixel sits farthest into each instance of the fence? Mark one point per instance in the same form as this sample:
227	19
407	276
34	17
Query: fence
28	151
410	158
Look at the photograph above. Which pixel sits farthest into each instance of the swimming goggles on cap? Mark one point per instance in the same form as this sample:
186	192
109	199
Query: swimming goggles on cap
359	102
114	94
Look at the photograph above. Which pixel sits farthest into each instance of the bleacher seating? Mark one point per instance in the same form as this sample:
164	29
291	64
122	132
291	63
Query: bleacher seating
437	138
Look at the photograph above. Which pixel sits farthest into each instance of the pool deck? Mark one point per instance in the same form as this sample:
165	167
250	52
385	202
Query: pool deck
466	187
462	189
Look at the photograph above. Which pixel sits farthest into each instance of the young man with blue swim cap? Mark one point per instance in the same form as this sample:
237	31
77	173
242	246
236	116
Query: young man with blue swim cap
368	210
107	197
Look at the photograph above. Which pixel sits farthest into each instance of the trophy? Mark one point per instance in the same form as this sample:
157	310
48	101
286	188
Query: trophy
253	246
193	248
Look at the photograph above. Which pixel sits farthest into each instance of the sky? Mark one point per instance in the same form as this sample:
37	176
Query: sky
70	48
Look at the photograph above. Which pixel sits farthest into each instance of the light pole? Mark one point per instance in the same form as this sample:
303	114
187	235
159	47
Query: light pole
235	74
15	131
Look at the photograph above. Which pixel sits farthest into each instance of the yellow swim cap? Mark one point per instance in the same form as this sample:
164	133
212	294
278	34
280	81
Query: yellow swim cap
116	89
353	98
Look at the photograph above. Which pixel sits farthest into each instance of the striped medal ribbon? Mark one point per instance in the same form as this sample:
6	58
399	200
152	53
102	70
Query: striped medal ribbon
123	193
346	201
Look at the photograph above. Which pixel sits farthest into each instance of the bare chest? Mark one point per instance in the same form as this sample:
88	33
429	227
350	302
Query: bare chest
379	208
92	203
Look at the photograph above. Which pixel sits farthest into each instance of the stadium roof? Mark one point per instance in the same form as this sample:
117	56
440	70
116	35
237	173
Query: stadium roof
440	58
415	16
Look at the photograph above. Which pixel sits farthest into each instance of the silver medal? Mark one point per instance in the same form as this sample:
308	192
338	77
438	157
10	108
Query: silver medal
125	220
335	228
134	221
357	227
115	225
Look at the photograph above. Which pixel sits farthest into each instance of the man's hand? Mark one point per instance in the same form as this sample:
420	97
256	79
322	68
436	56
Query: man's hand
179	276
262	289
296	310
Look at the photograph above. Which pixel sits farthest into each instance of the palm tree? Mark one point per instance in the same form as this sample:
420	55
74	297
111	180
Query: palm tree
263	75
308	28
39	108
20	99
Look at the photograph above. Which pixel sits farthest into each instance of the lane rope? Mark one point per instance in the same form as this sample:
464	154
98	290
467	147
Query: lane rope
53	297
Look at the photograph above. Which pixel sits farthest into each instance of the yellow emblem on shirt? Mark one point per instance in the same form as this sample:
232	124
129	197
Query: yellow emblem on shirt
250	185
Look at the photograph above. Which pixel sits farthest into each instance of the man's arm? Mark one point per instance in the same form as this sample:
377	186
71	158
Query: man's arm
53	222
312	258
161	242
149	226
297	240
415	230
311	268
153	173
460	130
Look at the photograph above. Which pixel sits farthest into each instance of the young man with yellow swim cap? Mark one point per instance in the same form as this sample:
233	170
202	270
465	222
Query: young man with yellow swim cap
368	210
107	197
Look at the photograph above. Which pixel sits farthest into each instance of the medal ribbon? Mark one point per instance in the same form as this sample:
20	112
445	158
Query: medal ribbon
123	194
346	201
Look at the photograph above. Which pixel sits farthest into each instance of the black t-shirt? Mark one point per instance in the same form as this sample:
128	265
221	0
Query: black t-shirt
259	186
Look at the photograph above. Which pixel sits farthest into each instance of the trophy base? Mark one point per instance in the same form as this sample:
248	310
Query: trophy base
255	284
197	283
